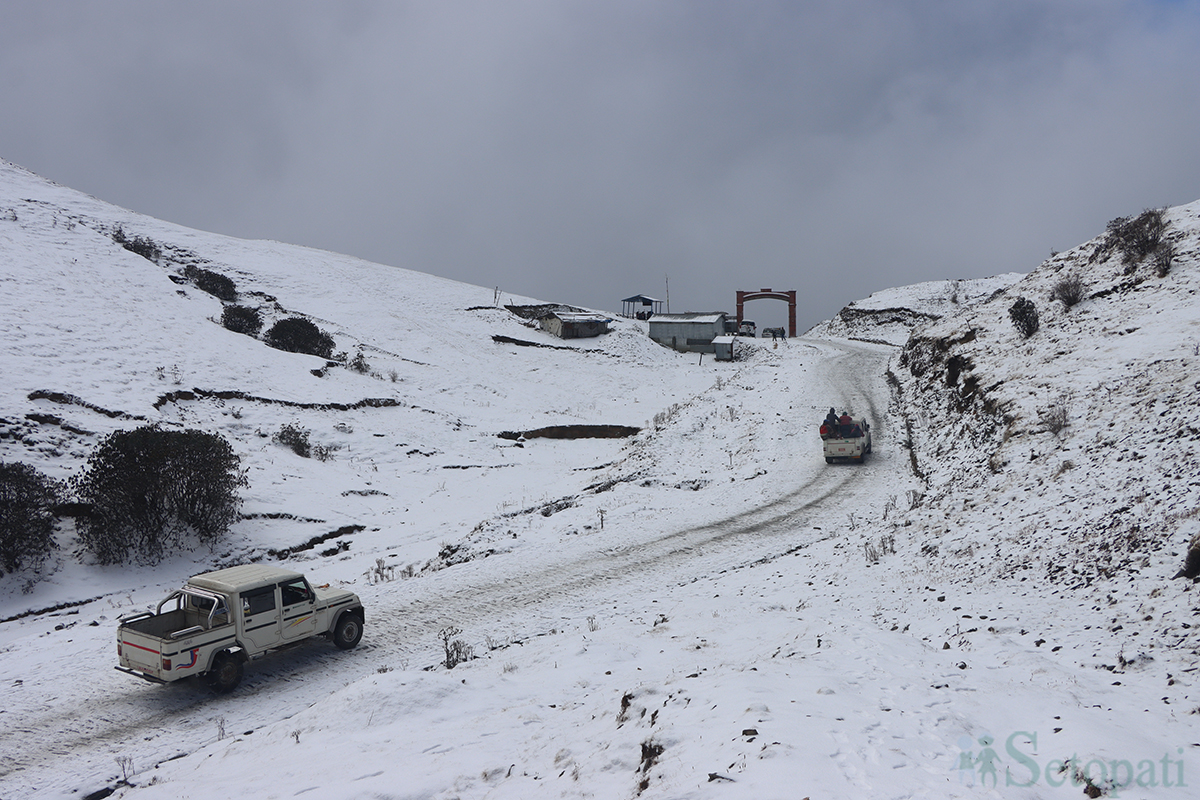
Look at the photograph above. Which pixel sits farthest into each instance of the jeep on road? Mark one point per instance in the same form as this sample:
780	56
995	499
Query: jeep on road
221	619
847	439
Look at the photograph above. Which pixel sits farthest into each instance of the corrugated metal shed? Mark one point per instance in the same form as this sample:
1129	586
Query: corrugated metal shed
724	347
573	325
692	331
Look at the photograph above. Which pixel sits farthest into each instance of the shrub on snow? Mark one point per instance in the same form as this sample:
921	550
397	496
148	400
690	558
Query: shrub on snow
149	489
214	283
1024	317
298	335
295	439
1068	290
242	319
27	500
1138	237
140	245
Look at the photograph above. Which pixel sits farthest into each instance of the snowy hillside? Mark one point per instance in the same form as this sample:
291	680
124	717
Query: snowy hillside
889	316
705	609
1094	414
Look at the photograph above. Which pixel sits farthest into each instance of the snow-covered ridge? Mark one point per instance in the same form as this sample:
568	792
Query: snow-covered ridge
890	315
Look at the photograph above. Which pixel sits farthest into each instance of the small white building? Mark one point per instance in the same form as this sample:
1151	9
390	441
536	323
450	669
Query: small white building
723	346
691	332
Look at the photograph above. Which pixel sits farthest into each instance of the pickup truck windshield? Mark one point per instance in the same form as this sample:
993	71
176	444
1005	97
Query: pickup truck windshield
296	591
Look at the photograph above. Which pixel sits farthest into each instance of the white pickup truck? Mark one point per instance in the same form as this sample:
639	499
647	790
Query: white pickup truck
846	441
219	620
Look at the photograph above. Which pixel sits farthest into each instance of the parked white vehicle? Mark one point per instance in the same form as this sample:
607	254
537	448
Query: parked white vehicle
846	441
219	620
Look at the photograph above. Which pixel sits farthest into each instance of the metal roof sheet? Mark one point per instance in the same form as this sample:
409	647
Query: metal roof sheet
568	316
690	316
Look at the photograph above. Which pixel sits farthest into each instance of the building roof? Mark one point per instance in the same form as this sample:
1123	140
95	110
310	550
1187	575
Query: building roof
569	316
690	316
640	298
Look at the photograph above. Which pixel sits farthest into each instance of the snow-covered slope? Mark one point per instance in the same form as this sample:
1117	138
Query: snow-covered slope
890	315
704	609
99	338
1091	421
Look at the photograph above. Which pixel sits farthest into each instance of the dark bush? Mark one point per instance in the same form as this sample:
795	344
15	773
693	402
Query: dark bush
1191	564
214	283
27	500
1068	290
1055	418
1024	317
298	335
1137	237
242	319
140	245
1164	256
359	363
295	438
149	489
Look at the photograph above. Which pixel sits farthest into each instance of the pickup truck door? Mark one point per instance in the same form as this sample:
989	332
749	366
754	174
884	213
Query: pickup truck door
260	619
298	598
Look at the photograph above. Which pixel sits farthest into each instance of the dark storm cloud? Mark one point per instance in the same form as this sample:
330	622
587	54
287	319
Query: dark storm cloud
582	152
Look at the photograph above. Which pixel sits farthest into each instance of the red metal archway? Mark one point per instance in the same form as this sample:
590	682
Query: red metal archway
790	297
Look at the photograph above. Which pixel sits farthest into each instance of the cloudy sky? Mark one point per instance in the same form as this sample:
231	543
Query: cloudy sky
582	152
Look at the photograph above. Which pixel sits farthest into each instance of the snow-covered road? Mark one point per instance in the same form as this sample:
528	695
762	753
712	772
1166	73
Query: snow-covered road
782	499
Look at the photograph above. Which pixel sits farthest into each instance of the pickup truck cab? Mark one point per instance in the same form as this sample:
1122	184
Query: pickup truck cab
219	620
846	441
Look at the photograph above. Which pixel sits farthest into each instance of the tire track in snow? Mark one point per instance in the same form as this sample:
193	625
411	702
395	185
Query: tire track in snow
480	594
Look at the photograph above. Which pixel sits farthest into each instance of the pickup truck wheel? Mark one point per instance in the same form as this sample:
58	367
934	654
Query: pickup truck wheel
348	631
226	673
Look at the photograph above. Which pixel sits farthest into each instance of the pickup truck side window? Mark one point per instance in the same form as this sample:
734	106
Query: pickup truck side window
296	591
201	607
257	601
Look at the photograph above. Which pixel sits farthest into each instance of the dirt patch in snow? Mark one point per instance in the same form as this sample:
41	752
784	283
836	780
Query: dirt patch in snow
573	432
